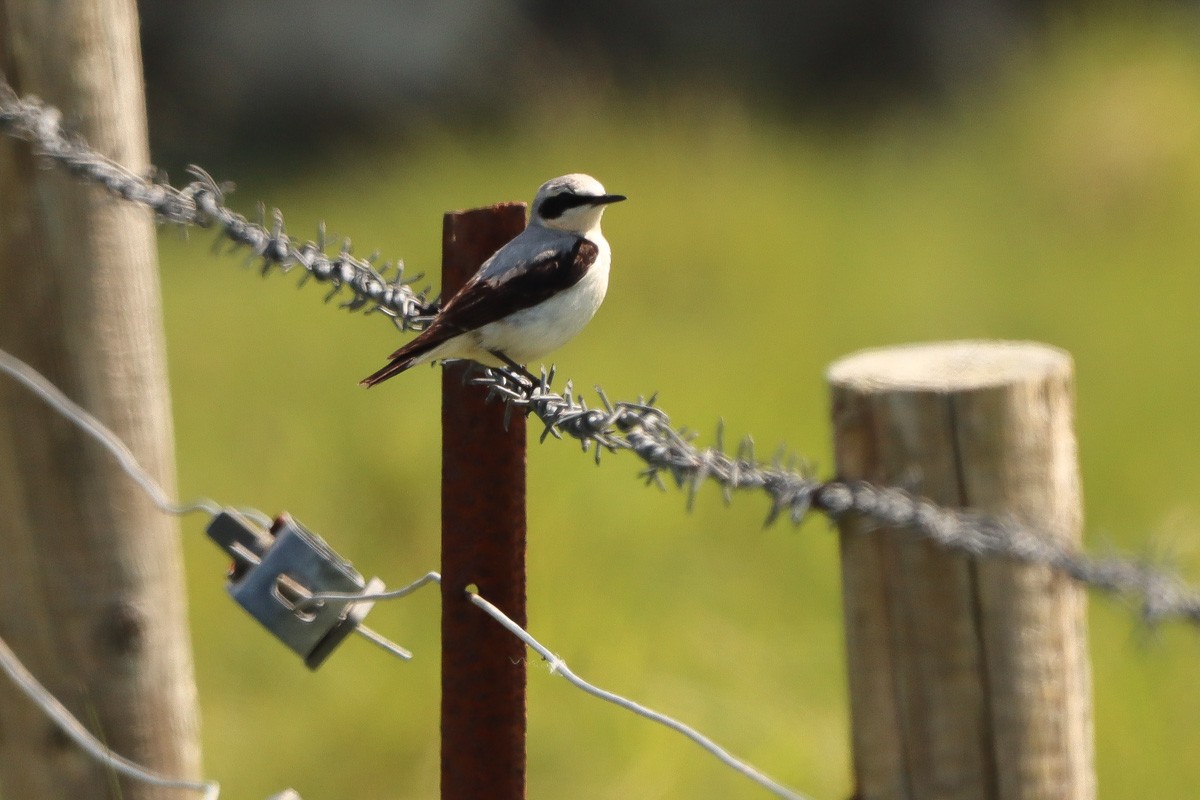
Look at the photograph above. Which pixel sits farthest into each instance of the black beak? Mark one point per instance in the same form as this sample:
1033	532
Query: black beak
605	199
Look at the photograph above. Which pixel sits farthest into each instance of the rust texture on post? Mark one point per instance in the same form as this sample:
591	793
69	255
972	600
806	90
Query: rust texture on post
483	543
92	599
968	678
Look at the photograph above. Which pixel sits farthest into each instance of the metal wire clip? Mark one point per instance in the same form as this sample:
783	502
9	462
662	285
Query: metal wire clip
276	572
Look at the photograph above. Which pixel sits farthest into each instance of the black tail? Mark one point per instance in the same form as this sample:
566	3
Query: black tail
392	368
408	355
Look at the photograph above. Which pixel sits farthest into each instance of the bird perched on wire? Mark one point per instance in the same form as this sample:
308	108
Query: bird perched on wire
533	295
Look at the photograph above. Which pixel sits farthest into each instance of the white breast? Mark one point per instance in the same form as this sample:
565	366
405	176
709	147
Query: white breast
534	332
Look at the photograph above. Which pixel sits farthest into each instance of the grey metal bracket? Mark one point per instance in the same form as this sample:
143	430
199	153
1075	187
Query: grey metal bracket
276	572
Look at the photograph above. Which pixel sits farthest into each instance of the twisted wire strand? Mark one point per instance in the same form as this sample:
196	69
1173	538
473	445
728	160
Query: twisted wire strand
638	426
201	204
644	429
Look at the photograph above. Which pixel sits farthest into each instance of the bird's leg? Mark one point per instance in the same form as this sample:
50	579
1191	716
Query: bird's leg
514	366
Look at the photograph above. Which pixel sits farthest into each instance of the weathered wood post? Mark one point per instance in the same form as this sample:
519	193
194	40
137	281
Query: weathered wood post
92	593
968	678
483	543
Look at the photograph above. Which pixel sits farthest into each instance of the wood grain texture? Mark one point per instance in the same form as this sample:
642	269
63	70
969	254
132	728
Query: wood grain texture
92	599
968	679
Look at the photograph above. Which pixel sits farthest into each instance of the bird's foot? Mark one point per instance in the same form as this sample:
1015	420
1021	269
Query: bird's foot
519	369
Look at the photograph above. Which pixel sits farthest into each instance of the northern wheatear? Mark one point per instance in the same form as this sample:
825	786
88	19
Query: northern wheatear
533	295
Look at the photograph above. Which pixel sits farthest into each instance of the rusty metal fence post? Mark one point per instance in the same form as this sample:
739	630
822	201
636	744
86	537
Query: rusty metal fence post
483	544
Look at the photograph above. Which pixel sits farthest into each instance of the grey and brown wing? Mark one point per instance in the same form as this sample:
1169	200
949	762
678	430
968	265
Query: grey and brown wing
483	300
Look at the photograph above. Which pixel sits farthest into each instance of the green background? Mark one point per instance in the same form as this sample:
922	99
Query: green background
1059	204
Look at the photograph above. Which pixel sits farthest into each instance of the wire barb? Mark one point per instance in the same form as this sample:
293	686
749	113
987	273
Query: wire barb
202	204
793	491
640	427
637	426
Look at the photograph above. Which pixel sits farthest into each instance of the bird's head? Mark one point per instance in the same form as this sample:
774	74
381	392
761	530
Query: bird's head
572	203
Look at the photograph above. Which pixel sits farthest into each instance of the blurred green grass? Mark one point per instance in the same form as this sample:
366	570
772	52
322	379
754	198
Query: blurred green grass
1061	205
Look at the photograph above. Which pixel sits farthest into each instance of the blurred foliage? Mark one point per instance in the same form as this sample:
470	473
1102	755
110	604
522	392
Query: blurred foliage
1059	205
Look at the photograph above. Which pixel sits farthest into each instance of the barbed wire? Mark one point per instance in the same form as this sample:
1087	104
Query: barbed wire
644	429
639	426
25	681
202	204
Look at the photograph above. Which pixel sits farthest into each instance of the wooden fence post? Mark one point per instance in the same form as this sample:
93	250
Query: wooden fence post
92	598
483	543
968	678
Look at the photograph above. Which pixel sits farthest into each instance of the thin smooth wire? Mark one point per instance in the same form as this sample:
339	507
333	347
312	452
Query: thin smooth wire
53	396
68	724
358	597
16	671
89	424
559	667
636	426
34	381
391	594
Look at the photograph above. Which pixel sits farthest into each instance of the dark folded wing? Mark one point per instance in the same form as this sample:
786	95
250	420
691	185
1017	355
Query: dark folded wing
483	300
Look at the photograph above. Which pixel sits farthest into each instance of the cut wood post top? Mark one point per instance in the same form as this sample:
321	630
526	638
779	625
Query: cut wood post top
948	366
